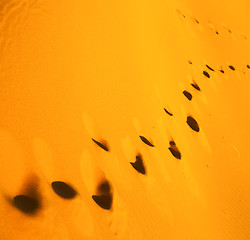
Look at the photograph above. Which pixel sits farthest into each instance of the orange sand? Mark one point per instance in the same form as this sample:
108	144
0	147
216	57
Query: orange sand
75	70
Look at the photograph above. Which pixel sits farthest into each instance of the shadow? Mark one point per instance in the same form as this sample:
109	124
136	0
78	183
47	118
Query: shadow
103	201
138	165
210	68
101	145
30	200
145	140
168	112
192	123
104	187
231	67
195	85
26	204
174	150
206	74
63	190
188	95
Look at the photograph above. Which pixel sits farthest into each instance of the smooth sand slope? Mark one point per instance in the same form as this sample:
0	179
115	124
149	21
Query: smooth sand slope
124	119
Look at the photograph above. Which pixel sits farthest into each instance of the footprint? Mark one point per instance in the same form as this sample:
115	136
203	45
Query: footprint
192	123
26	204
102	144
29	201
209	68
206	74
188	95
138	165
104	198
174	150
146	141
231	67
168	112
63	190
104	201
196	86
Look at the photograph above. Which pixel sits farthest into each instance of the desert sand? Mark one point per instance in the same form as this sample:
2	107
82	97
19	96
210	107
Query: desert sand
124	119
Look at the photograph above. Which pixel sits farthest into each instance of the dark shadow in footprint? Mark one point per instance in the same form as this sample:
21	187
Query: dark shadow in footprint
169	113
222	71
101	145
63	190
248	66
172	143
145	140
231	67
195	85
188	95
174	150
206	74
193	124
210	68
30	200
26	204
104	201
138	165
104	187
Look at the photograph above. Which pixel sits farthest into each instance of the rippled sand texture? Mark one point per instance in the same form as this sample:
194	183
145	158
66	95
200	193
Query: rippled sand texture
124	119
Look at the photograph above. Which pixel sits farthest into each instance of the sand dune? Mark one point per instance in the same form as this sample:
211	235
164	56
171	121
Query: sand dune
124	120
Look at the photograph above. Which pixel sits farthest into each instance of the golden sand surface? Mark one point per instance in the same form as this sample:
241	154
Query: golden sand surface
124	119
